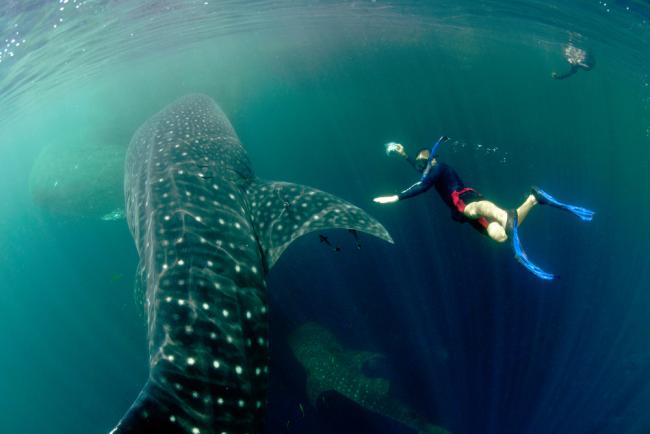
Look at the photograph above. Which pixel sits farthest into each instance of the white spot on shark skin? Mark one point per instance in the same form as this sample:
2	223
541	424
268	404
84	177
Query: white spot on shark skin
248	314
181	302
225	313
172	418
168	299
206	306
181	262
191	361
195	430
222	221
220	402
216	364
240	403
238	370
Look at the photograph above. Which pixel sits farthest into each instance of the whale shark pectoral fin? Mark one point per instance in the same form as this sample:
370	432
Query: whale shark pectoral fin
282	212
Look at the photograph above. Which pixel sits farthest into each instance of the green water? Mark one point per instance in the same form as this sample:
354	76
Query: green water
314	91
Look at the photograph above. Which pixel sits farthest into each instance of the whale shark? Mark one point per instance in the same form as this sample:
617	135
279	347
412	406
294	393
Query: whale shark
207	231
330	367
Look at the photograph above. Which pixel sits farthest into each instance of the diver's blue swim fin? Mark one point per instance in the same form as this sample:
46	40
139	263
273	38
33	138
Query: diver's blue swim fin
543	198
520	255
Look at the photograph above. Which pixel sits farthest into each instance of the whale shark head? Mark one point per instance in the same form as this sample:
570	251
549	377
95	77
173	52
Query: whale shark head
207	230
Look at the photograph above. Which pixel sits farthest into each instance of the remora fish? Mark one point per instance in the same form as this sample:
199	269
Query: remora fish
331	368
207	230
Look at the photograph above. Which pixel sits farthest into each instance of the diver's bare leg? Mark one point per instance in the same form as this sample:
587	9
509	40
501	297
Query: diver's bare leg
495	215
525	208
487	209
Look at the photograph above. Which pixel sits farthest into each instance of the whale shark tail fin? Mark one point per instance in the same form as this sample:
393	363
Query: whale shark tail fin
282	212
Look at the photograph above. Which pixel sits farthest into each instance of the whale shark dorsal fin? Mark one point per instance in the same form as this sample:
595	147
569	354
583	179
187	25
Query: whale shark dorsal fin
282	212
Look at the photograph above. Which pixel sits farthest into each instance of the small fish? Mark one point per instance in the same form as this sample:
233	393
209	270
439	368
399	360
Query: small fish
355	234
324	239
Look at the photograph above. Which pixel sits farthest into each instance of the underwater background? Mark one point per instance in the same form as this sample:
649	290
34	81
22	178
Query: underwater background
470	340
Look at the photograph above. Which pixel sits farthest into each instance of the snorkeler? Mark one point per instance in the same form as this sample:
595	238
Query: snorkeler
469	206
578	59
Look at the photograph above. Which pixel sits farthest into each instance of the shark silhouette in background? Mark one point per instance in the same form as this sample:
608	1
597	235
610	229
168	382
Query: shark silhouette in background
330	367
207	231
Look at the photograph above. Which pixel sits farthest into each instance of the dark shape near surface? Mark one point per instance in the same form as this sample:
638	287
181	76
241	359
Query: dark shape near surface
578	58
205	243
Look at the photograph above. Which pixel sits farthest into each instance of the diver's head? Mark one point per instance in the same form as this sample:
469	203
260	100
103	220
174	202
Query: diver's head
422	158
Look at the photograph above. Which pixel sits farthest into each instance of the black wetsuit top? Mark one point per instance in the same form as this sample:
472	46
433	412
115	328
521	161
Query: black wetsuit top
448	184
441	176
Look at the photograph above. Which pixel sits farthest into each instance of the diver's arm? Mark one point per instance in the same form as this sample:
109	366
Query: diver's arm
569	73
410	161
418	188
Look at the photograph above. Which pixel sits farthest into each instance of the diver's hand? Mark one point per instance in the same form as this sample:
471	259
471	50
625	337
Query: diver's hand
393	148
386	199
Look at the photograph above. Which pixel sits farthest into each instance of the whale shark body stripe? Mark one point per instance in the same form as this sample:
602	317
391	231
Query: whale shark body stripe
194	209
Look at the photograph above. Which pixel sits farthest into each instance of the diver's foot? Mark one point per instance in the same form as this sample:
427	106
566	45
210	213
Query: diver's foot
544	198
540	195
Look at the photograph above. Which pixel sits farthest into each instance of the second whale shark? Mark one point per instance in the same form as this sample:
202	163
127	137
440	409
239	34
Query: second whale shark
207	230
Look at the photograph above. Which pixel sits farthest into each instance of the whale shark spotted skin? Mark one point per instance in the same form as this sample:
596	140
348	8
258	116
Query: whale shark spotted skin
207	231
